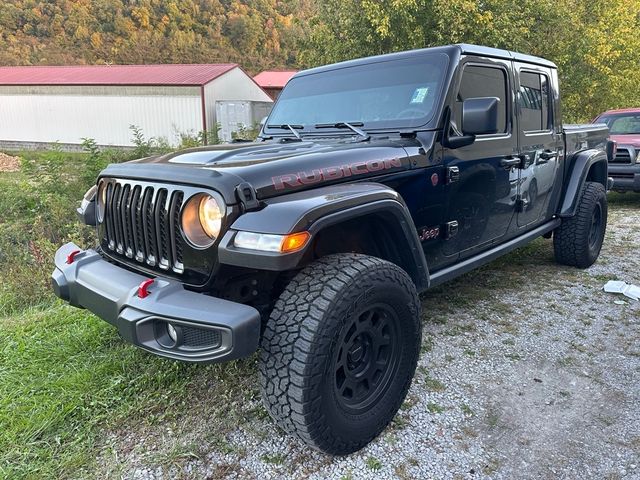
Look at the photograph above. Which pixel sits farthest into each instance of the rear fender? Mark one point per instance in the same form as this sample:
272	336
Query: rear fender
586	166
318	209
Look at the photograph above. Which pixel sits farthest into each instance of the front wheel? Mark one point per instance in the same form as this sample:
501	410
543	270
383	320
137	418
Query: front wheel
339	351
578	240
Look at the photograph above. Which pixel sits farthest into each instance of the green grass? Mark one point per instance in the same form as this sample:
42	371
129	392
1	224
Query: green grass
63	374
433	407
66	377
374	464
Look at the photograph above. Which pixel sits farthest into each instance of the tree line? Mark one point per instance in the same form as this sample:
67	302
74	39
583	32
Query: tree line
595	43
257	34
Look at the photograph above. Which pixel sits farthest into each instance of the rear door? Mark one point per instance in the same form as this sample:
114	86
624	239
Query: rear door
481	196
539	143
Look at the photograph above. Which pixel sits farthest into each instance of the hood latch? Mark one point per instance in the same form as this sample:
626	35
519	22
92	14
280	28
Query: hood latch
247	196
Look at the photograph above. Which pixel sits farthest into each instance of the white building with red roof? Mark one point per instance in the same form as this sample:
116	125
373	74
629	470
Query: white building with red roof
65	104
273	81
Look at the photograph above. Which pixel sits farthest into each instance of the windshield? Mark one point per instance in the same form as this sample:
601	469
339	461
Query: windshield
391	94
622	124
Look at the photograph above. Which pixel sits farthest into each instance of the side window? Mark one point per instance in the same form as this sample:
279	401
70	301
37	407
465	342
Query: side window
479	81
533	100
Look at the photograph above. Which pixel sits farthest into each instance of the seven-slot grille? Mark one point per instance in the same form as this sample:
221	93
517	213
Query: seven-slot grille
142	223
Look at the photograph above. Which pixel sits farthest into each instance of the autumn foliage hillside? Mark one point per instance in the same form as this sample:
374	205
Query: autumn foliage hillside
257	34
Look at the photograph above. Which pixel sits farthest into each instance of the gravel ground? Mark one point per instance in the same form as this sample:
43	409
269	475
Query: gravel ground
528	370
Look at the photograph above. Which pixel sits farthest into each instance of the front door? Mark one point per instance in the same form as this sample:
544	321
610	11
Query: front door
482	199
539	143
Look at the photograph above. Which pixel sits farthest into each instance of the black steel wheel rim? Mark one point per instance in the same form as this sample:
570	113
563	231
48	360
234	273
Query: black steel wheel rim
367	358
596	223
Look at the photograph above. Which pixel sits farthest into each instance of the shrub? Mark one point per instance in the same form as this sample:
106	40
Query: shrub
145	147
246	133
38	215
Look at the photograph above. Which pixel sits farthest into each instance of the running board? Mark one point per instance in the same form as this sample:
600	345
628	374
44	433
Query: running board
487	256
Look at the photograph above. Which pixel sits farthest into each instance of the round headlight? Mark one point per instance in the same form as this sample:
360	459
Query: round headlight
210	216
202	219
101	201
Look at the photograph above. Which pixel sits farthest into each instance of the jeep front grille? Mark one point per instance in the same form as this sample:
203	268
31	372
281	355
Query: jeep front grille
142	223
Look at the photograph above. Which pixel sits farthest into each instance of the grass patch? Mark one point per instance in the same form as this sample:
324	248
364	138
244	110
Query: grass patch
66	376
275	459
374	464
63	373
466	409
434	385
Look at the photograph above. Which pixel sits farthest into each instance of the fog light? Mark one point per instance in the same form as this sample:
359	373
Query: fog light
171	331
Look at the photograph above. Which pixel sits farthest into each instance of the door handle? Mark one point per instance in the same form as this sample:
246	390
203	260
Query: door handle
509	162
547	155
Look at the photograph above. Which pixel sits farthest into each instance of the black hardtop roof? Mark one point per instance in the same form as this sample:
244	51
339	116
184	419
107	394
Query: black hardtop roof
460	48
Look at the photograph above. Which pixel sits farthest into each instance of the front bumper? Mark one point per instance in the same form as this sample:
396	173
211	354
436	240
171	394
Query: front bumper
626	178
208	329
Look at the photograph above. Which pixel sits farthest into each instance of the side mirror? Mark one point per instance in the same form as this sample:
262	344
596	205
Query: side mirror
480	116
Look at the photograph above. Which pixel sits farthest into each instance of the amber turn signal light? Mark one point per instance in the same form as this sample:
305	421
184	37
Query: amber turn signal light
294	242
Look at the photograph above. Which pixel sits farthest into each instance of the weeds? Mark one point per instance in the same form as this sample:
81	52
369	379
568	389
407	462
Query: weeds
433	407
374	464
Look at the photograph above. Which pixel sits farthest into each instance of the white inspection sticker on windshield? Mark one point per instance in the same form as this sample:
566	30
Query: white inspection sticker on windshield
419	95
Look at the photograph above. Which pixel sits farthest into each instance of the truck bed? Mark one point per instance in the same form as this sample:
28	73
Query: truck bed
584	136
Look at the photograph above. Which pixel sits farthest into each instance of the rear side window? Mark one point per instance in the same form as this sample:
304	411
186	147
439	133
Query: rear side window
479	81
533	99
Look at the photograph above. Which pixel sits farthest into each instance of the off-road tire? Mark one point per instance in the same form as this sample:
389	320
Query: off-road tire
305	344
578	239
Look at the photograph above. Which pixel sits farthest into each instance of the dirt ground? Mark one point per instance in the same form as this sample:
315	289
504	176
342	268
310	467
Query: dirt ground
528	370
9	163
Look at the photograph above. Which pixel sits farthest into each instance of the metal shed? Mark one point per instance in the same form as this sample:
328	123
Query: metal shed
65	104
273	81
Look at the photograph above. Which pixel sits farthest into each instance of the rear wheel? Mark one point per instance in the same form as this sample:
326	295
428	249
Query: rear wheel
578	240
339	351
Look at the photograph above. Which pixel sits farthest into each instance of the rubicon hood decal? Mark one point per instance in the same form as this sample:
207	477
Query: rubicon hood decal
277	167
294	180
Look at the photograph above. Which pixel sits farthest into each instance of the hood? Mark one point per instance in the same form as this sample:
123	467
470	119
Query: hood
274	168
629	139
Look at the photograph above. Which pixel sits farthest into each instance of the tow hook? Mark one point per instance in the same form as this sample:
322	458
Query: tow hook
143	288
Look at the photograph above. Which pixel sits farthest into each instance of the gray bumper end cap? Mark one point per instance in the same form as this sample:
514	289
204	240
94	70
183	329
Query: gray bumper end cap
60	285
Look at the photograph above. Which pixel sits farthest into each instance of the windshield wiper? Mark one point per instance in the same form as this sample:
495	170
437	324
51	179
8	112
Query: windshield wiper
290	127
351	126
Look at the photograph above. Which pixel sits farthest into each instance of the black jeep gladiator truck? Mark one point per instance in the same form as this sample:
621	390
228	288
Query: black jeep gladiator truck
371	181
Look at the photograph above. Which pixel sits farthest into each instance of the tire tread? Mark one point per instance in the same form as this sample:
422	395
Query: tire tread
294	344
571	238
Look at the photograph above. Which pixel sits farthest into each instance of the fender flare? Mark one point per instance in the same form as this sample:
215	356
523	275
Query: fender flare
587	165
314	210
